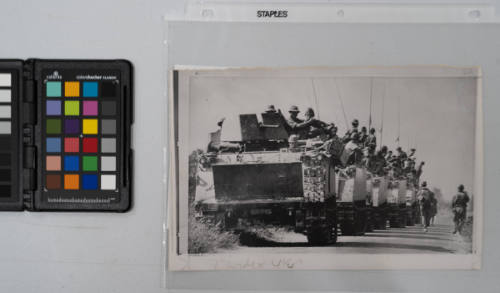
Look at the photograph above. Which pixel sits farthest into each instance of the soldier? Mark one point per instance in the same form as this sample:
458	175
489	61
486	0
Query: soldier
363	135
316	127
407	166
369	159
295	125
371	140
309	114
333	147
424	199
380	162
352	152
401	154
412	153
388	156
294	143
419	170
354	130
270	109
459	206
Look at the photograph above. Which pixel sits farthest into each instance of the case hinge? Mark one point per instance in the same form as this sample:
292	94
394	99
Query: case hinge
28	123
29	104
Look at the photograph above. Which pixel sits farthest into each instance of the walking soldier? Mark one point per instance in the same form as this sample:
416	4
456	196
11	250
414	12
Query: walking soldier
459	207
424	198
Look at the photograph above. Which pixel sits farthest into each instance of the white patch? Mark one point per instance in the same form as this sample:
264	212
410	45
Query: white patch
108	182
5	79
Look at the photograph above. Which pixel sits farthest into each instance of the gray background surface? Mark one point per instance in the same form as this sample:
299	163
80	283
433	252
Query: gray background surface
85	252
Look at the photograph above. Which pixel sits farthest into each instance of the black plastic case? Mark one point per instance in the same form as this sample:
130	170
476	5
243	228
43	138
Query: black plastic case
27	137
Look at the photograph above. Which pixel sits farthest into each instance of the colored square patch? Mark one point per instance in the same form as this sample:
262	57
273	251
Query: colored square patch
53	108
72	89
90	108
89	163
71	144
72	126
53	126
71	163
53	163
108	163
89	145
108	126
108	145
53	145
71	181
89	126
90	89
89	182
71	108
108	182
53	89
108	108
53	181
108	89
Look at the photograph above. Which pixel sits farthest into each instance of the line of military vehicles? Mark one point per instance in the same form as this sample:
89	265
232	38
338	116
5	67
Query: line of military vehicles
251	176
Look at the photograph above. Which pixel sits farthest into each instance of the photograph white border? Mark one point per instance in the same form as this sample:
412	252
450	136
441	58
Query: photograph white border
307	261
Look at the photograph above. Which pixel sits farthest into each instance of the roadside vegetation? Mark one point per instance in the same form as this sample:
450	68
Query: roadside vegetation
203	235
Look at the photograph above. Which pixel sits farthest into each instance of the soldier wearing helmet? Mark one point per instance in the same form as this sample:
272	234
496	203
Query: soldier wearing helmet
363	135
333	147
424	198
354	129
296	126
459	207
371	140
270	109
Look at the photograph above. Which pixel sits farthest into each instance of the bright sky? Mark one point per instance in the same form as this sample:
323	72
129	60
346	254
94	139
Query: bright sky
437	115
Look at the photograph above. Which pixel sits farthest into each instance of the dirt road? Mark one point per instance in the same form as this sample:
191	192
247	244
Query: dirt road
412	239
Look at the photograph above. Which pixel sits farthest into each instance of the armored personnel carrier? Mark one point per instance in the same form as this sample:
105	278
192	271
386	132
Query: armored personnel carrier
398	210
378	189
413	209
353	210
252	176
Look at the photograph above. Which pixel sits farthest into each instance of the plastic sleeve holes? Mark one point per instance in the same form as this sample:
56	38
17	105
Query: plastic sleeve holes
474	14
207	13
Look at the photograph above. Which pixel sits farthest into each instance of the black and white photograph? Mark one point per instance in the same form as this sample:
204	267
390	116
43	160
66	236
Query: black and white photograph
344	167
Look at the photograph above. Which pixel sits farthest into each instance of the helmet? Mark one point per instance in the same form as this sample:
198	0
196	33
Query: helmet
424	184
331	127
270	108
461	187
355	122
309	111
294	109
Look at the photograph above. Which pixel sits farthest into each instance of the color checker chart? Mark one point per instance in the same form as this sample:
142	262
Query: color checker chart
82	136
81	133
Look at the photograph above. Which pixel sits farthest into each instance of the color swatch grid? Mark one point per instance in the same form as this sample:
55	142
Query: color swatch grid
5	134
81	134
